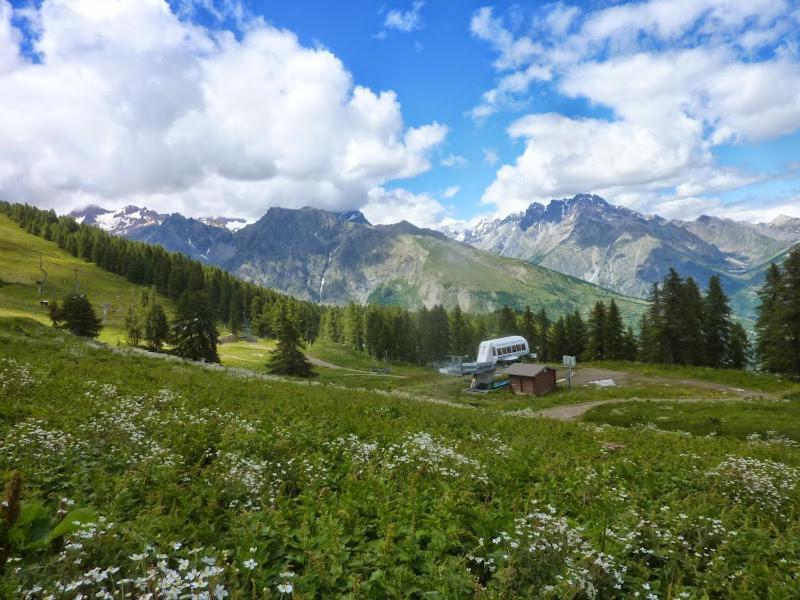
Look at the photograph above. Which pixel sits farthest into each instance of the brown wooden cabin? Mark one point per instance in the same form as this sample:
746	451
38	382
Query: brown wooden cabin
531	379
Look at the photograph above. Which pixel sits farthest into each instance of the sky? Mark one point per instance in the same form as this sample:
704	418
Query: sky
434	111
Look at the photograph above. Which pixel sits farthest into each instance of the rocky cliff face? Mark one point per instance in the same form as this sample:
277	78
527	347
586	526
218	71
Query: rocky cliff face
626	251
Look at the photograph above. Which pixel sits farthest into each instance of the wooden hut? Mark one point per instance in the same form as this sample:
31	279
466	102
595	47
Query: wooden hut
531	378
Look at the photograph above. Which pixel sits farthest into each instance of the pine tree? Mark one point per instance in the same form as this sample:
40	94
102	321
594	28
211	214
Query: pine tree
287	358
738	351
772	349
559	341
156	326
576	334
791	302
651	331
194	334
528	327
375	333
236	311
596	345
716	324
76	315
691	325
460	333
437	333
507	322
630	346
543	328
133	326
354	327
613	333
673	305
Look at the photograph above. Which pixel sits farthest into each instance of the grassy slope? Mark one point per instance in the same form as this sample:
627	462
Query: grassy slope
763	418
19	266
492	281
172	452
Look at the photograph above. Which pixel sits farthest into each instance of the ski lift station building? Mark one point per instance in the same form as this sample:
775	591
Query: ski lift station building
506	349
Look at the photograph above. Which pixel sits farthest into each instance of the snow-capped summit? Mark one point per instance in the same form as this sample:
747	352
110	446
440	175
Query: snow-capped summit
130	219
118	222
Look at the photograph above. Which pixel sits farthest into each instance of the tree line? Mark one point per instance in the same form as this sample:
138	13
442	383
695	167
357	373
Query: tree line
238	304
778	322
682	324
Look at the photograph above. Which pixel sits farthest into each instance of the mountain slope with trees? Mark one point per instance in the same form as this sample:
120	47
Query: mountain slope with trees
336	258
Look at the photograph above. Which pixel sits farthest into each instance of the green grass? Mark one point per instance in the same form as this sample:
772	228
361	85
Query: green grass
364	494
732	419
748	380
493	281
19	268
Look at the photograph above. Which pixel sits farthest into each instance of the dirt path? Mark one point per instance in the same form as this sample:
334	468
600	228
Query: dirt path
324	363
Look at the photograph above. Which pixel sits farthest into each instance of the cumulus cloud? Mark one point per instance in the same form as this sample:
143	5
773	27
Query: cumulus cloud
677	78
394	205
127	102
565	156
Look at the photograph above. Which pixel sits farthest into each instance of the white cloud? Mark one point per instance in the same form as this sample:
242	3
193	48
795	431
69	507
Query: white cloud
129	103
405	20
490	156
566	156
394	205
454	160
677	77
451	191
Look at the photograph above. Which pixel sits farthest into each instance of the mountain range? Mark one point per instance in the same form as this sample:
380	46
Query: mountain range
626	251
340	257
517	260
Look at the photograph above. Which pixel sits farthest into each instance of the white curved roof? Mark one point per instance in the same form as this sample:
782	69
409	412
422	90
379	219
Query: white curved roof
511	339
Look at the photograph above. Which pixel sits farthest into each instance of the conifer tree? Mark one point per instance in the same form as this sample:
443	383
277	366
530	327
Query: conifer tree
672	297
354	327
651	332
716	324
613	333
543	328
791	301
156	326
738	351
461	341
133	326
288	358
437	333
76	315
630	346
507	321
375	333
596	345
691	324
576	334
558	338
528	327
772	342
194	334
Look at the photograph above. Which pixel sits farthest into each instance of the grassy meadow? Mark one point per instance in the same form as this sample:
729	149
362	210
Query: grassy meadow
189	479
145	476
20	255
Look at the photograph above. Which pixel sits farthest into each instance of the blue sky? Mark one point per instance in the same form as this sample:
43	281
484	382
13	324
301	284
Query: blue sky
438	112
